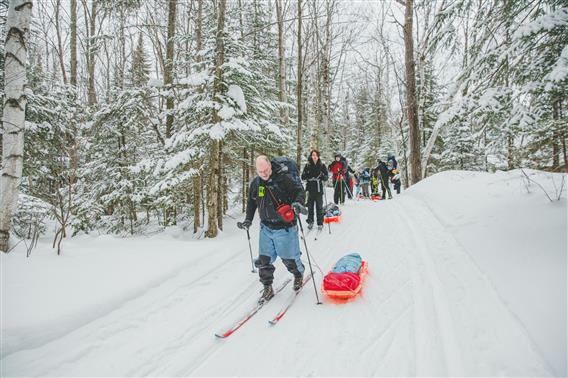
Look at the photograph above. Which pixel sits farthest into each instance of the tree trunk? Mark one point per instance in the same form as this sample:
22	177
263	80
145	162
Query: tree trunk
13	120
411	105
196	203
91	92
299	88
220	188
244	189
555	136
59	44
168	69
214	146
73	44
281	64
326	78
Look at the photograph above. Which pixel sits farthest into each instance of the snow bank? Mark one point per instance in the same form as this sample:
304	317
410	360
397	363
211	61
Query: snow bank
517	237
47	296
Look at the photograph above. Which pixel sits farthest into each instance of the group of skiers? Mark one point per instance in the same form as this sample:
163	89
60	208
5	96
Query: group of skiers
278	195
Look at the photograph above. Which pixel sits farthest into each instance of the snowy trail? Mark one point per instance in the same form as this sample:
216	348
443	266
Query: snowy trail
425	309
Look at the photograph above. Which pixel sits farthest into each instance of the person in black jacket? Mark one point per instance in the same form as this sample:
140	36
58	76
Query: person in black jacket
274	192
315	173
382	173
348	177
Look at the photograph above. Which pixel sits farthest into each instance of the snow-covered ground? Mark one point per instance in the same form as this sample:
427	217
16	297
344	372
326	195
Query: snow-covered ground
467	276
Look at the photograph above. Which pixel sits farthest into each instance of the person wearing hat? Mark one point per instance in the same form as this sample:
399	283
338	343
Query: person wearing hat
382	173
339	169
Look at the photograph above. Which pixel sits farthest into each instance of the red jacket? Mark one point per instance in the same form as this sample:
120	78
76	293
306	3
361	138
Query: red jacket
337	169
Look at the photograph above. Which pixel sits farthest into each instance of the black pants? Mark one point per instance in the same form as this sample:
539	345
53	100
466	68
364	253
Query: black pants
397	186
266	269
339	192
315	199
385	188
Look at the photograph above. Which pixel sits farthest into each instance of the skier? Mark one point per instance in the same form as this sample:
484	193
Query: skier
395	179
275	193
338	168
364	180
382	173
391	162
315	173
348	177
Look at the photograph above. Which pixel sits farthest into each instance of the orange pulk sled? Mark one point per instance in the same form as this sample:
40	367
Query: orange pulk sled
346	278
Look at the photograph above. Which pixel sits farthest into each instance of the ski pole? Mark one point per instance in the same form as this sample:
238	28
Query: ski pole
250	249
349	190
240	225
309	260
325	194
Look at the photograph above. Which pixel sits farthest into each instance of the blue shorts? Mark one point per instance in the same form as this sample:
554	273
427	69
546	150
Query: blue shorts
283	243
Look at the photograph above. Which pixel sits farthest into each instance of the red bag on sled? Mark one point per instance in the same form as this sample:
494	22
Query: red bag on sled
344	285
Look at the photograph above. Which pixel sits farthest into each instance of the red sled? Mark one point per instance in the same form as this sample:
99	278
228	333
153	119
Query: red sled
376	198
344	285
360	197
334	219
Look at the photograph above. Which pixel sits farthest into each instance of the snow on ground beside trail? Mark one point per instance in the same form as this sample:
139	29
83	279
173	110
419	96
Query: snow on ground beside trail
517	237
438	299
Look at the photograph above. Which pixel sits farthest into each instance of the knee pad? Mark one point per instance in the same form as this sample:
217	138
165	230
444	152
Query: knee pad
292	267
262	261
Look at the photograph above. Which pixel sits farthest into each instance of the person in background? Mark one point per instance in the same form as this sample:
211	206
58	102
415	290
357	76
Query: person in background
315	173
338	168
383	173
365	180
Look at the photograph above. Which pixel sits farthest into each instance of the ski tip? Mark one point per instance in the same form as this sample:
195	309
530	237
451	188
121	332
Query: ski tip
272	322
222	336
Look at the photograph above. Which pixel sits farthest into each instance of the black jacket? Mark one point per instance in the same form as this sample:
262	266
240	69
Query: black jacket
316	175
383	171
280	188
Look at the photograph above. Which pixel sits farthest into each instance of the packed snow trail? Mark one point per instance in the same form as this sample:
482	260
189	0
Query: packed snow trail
425	309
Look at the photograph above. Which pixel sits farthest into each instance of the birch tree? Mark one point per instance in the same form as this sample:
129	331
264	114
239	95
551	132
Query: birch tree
13	120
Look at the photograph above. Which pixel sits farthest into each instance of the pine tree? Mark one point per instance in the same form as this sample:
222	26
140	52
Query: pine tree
140	68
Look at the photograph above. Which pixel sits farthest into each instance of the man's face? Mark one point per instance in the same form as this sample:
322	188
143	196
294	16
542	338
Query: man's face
264	169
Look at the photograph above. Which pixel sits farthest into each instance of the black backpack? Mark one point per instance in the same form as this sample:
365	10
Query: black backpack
287	165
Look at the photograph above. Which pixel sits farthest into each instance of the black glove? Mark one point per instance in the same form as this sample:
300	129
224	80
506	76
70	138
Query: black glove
299	208
244	225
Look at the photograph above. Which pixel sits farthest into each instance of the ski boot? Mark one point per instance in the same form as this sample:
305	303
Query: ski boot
267	294
310	225
320	227
298	281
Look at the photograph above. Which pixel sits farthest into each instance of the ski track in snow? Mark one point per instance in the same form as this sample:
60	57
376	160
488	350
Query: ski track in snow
425	309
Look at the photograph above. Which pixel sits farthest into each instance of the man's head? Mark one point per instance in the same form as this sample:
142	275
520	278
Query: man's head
263	167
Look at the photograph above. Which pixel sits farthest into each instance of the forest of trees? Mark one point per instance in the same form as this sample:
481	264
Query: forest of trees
151	111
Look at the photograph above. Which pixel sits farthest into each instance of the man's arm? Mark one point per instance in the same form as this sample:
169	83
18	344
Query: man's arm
251	203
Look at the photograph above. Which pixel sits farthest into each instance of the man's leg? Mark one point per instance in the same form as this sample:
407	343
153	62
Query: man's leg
267	255
319	208
336	189
287	245
311	202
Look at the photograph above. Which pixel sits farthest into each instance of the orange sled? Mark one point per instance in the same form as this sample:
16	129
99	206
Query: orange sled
338	284
376	198
334	219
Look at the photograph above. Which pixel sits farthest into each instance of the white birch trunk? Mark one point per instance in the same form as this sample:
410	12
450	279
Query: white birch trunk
17	26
